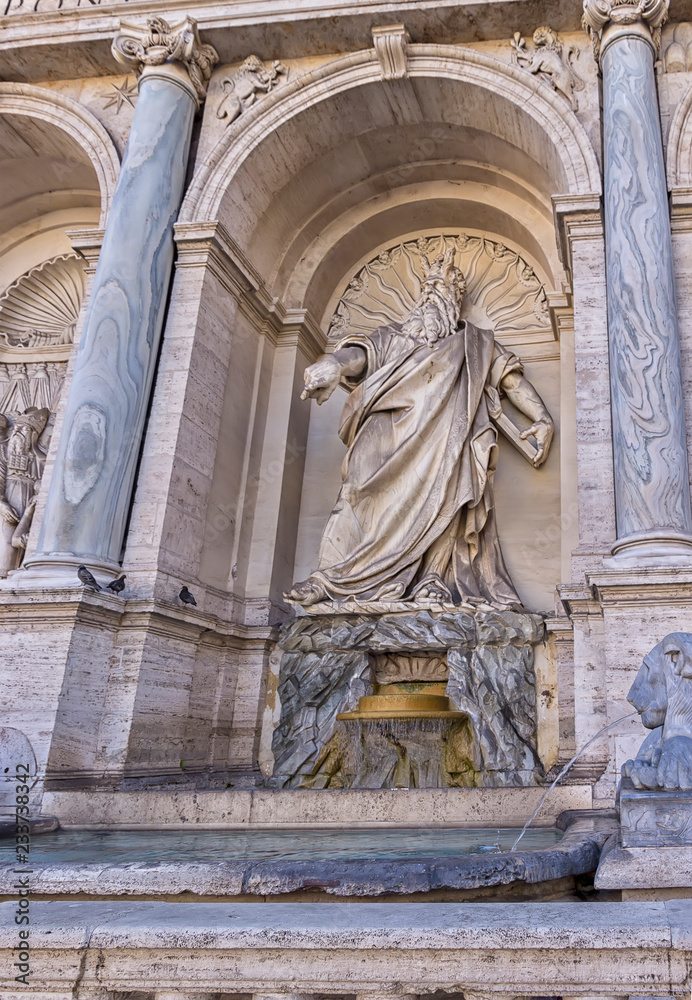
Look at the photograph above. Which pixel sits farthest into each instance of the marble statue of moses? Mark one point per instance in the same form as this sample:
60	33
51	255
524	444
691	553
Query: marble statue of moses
414	520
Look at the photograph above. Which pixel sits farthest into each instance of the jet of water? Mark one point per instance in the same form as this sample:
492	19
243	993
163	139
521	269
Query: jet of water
564	771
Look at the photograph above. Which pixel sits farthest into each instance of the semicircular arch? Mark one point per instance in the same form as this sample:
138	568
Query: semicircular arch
525	101
76	121
679	155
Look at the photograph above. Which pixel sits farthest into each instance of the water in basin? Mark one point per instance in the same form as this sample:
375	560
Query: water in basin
122	846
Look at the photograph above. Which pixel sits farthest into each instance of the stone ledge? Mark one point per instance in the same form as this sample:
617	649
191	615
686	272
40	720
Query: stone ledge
264	809
595	949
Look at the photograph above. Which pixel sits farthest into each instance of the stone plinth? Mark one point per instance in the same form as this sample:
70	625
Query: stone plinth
330	661
653	849
655	818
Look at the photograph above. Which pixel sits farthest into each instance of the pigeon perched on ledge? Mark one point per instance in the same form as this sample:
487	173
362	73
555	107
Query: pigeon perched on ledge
87	579
118	585
186	597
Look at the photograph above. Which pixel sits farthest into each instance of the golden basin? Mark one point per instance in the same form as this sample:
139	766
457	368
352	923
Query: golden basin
417	700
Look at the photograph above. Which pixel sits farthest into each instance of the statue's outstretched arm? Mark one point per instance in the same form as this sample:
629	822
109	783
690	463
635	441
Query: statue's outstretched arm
522	394
322	378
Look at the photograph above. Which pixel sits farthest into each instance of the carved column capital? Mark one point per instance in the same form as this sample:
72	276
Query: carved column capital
648	15
173	50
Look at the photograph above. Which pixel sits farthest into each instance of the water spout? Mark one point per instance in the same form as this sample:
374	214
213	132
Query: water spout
564	771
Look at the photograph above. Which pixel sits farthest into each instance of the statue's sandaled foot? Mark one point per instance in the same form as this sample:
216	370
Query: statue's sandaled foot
308	592
432	589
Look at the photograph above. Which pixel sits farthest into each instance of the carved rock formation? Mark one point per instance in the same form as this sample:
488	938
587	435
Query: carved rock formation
329	662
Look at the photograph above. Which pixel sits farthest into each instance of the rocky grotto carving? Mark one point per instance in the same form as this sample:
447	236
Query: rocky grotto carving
484	663
41	308
243	88
414	522
662	694
549	62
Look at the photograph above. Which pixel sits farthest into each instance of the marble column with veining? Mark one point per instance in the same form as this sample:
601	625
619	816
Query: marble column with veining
652	491
93	478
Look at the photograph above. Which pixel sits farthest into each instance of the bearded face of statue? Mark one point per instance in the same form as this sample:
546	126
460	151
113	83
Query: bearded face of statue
436	313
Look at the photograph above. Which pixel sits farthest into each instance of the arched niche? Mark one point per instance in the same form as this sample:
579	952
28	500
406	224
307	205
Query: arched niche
49	145
324	171
59	168
528	501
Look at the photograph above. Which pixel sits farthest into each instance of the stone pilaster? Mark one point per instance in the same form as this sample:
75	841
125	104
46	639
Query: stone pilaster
91	486
653	517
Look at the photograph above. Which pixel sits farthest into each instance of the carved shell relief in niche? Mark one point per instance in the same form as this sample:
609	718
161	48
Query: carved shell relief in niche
40	309
503	292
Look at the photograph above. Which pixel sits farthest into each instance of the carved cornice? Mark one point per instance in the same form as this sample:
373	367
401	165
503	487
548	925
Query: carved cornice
601	14
576	217
161	47
209	245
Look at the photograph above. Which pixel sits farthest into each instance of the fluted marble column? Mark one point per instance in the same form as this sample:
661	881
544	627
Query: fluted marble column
92	482
652	493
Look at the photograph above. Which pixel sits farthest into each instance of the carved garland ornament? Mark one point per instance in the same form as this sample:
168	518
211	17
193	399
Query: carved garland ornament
503	292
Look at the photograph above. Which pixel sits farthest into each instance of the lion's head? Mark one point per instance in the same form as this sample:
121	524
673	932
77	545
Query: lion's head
661	692
545	37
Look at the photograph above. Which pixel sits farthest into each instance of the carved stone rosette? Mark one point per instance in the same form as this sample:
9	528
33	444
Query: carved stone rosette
161	44
598	14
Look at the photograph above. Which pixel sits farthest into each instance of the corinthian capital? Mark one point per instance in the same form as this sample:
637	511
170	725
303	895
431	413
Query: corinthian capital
160	44
598	14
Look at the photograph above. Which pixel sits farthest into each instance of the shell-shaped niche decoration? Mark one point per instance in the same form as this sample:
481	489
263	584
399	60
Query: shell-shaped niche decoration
503	292
40	309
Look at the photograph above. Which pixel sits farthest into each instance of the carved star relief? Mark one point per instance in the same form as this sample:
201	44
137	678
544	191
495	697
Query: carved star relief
123	94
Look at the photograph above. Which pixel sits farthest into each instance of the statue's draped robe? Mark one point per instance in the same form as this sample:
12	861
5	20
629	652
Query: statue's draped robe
417	497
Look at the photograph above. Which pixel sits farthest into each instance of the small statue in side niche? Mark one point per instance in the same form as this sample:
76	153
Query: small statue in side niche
241	90
662	694
23	448
548	61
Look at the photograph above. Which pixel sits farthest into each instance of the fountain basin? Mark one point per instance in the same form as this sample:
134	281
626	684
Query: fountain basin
405	701
320	863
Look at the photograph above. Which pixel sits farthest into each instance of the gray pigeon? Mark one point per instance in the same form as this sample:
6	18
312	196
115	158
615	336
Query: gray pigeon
117	586
186	597
86	578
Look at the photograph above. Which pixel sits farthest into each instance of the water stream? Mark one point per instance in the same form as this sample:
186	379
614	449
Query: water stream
564	771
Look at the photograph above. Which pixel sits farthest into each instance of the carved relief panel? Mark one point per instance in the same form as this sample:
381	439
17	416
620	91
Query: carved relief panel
503	292
38	317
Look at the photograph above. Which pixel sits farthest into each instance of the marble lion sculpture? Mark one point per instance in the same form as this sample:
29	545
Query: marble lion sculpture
662	694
